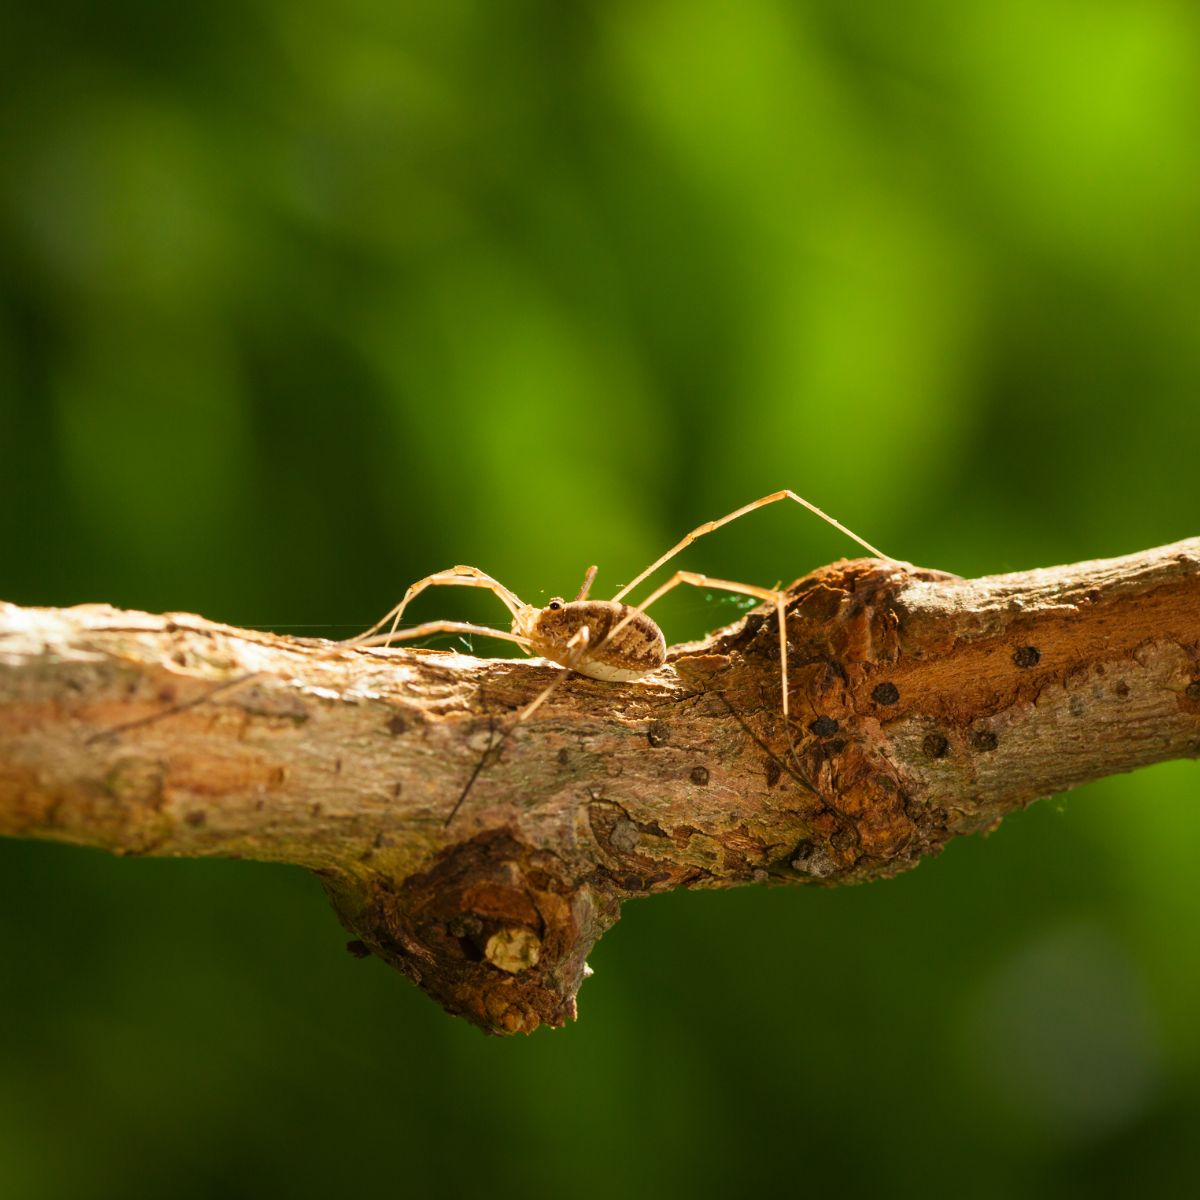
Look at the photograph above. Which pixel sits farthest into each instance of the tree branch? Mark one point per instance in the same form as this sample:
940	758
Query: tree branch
923	707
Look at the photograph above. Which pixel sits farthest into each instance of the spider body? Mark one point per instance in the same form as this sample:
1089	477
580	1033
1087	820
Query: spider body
620	645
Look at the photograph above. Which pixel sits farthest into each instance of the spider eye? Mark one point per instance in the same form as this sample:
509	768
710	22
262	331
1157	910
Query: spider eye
555	604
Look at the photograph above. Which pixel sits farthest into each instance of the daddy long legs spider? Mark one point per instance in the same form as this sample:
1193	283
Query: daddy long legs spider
603	639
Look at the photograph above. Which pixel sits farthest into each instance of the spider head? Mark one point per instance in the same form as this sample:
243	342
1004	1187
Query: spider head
552	627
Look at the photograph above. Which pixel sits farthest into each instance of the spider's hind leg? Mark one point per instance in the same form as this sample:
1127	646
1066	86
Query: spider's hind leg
692	579
710	526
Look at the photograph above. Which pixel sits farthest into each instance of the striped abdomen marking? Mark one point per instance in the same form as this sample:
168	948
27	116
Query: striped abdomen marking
637	649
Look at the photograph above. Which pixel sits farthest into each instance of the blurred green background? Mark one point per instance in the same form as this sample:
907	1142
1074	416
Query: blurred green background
300	301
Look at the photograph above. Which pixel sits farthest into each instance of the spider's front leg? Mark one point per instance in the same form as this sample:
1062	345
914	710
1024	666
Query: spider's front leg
460	576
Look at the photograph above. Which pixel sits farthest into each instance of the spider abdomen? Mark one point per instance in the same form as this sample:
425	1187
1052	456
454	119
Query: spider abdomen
636	648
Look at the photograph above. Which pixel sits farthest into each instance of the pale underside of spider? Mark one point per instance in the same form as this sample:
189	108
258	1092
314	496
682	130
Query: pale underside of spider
603	639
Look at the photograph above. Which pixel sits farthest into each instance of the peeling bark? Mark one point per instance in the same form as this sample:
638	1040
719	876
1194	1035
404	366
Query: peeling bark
923	707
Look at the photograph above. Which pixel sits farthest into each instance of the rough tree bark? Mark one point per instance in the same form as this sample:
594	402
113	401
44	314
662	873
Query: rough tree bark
923	707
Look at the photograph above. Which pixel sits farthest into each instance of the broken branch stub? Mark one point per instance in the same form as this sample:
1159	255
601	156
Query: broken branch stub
923	707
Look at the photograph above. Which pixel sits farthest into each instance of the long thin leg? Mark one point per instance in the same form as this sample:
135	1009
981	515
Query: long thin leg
432	627
576	648
115	731
774	595
709	526
587	583
453	577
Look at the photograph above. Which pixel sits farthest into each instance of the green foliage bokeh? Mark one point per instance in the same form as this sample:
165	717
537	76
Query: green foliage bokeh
300	301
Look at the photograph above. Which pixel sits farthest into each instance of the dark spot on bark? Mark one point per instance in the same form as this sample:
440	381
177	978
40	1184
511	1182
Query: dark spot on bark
196	817
936	745
258	805
1100	669
384	839
397	790
802	853
358	949
396	725
470	949
844	838
699	776
1027	656
1122	690
562	756
885	693
1192	691
1076	706
774	770
823	727
467	925
836	746
984	740
337	766
656	734
167	695
315	808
